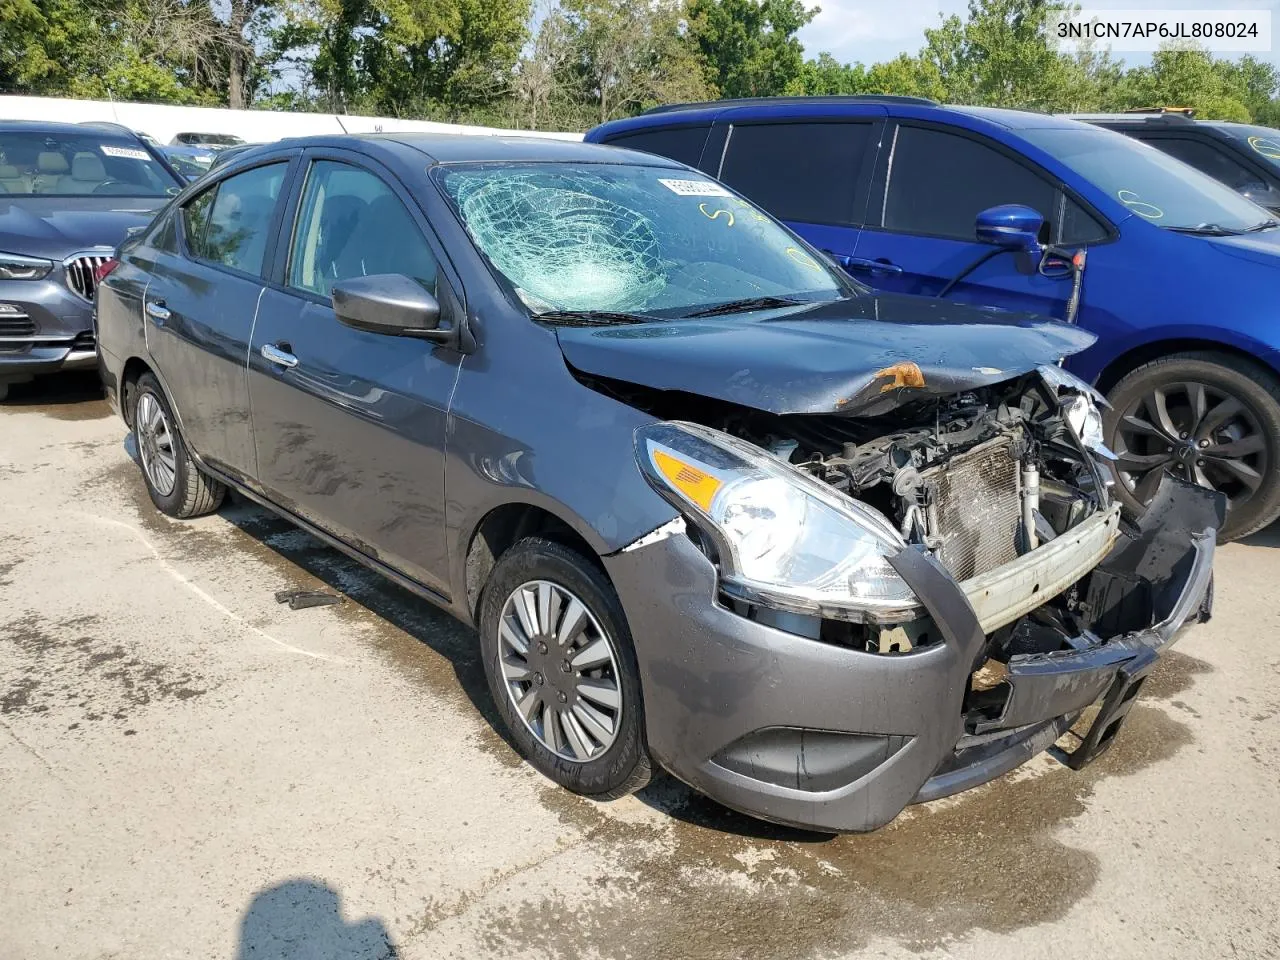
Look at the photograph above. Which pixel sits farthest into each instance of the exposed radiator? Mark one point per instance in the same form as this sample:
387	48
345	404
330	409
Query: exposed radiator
976	509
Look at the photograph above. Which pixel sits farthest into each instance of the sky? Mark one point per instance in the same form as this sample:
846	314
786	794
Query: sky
873	30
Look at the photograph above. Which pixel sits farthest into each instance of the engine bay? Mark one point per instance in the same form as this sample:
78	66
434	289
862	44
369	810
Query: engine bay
979	478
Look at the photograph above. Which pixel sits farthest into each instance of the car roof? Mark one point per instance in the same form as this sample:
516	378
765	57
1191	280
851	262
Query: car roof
65	129
459	148
798	107
470	148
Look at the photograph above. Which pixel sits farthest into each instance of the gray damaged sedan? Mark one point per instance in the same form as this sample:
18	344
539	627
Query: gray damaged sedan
710	505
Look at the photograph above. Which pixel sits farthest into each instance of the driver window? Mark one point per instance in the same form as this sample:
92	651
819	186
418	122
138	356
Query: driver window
351	224
940	182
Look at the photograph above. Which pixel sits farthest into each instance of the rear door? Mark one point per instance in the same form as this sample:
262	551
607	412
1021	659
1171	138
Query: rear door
812	174
350	428
920	231
200	306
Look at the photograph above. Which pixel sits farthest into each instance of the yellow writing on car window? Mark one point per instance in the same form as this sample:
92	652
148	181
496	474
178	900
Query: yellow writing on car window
1268	148
802	258
716	213
1139	206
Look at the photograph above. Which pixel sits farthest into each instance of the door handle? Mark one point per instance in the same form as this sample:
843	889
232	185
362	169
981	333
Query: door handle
280	357
156	310
871	266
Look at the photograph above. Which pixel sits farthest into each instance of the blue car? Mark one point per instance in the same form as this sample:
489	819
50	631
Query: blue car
1173	271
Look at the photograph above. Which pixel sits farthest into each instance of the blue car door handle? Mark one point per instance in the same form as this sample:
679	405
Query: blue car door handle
156	310
872	266
280	357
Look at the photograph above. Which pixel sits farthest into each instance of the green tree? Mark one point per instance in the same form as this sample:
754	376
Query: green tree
827	76
628	56
1256	81
161	50
907	76
749	47
999	55
406	57
1186	78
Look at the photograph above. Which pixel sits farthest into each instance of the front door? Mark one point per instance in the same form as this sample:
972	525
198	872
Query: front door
350	425
938	181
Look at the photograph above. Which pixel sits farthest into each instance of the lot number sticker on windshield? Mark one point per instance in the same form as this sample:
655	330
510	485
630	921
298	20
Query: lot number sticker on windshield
129	153
695	188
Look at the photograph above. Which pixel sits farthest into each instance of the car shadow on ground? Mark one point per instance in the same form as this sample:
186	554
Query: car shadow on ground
302	918
1266	537
397	606
62	389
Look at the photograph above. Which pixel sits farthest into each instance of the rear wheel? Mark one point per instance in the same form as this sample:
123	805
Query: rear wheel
562	669
175	483
1207	418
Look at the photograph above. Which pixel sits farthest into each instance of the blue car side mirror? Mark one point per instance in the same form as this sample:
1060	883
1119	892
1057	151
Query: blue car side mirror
1012	226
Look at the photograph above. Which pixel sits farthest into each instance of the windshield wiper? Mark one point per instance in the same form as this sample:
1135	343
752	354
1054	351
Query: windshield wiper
590	318
1207	230
1264	225
749	303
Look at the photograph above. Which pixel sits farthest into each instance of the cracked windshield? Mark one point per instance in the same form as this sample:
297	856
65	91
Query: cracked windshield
646	240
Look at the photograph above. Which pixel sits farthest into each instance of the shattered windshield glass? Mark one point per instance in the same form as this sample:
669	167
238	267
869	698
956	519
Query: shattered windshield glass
645	240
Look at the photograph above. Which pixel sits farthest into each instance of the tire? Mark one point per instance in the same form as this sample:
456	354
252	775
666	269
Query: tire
175	483
4	391
619	767
1212	403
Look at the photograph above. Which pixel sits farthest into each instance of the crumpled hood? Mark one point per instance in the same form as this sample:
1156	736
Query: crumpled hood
56	227
850	357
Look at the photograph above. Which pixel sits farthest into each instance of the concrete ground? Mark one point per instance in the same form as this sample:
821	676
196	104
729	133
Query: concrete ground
189	769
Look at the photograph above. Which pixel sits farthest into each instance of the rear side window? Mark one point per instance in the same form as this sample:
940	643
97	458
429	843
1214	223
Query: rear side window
195	220
165	237
240	218
940	182
682	144
805	172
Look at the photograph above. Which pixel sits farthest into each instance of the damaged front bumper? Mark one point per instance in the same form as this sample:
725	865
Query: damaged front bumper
822	736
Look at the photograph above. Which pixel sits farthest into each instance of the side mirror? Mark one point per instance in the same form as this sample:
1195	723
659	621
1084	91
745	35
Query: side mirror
391	304
1011	226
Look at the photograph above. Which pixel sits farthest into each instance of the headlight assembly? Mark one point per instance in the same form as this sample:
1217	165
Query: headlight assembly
16	267
785	540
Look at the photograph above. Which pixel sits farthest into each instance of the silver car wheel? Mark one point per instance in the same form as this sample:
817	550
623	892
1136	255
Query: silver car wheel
560	670
155	444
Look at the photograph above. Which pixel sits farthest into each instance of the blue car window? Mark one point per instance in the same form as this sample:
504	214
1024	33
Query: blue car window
682	144
1148	182
351	224
939	183
802	172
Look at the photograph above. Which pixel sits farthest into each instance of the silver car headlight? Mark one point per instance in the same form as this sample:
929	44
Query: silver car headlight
14	266
784	539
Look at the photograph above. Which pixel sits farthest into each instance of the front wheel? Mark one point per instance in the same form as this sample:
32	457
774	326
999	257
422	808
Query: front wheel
562	670
1207	418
